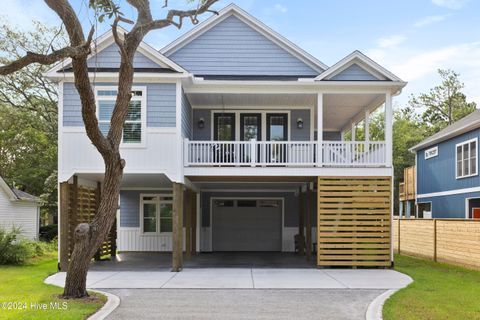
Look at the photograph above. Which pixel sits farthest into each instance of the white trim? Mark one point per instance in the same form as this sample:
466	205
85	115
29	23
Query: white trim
107	39
431	209
362	60
158	202
431	153
282	199
11	195
448	193
467	207
463	160
143	110
254	23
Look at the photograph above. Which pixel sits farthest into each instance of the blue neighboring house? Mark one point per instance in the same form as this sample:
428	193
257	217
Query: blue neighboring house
448	184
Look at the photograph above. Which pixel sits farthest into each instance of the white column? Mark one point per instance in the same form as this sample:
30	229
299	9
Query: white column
367	127
388	128
353	131
319	129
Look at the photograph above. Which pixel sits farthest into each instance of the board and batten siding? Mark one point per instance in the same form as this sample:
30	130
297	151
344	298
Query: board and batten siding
438	174
110	58
234	48
21	214
186	117
354	73
161	102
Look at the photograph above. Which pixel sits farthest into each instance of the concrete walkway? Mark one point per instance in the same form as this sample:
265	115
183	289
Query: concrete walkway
243	278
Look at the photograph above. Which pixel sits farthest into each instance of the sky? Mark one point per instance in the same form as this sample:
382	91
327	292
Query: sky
411	38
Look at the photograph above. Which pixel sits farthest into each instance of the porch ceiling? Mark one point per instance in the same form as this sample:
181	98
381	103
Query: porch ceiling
130	180
232	100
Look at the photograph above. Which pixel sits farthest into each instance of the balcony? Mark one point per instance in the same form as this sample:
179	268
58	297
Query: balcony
284	153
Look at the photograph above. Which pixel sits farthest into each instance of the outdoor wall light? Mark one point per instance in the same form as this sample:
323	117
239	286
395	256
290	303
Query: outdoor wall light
201	123
300	123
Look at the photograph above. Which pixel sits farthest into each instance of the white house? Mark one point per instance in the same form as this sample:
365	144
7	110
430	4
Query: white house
254	128
19	209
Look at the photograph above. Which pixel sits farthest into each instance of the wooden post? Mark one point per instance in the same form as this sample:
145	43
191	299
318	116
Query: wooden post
399	235
193	216
177	230
435	240
98	192
301	223
188	224
309	223
64	225
74	206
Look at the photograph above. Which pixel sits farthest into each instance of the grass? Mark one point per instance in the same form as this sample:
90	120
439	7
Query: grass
439	291
23	285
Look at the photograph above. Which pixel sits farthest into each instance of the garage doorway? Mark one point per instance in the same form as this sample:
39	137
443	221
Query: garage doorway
247	224
473	208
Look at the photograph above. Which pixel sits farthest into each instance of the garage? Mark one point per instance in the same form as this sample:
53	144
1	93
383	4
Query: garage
247	224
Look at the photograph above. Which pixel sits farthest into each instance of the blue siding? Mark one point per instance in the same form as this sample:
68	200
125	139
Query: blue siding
449	206
438	173
186	117
129	209
205	132
234	48
354	73
161	102
110	58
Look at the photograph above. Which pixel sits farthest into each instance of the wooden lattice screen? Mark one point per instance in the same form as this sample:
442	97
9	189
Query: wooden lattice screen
354	221
79	204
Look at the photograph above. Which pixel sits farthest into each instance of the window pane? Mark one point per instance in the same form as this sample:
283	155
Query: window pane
148	198
105	109
132	133
459	168
246	203
165	225
134	111
165	210
223	203
225	128
459	153
137	93
251	127
473	165
149	225
473	149
107	93
277	125
149	210
466	167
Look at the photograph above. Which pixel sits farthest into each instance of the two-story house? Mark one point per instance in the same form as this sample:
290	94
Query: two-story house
253	127
448	184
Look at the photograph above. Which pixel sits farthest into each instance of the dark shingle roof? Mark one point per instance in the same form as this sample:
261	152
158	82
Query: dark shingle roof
23	195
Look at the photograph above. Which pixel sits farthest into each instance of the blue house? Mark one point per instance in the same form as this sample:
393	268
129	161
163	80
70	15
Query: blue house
448	184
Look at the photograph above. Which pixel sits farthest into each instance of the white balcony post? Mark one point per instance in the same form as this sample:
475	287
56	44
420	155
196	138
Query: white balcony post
388	128
353	131
319	129
185	151
367	127
253	152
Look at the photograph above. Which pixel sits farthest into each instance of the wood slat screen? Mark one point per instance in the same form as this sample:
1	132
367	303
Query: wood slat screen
354	221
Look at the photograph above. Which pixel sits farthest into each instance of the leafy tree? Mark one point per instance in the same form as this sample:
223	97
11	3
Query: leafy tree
444	103
88	237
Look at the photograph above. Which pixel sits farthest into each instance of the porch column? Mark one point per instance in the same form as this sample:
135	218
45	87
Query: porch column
193	217
188	223
319	129
388	128
353	131
177	227
301	222
309	222
367	127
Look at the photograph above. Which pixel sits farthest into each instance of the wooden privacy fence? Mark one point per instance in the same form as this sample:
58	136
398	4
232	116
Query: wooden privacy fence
455	241
354	221
79	204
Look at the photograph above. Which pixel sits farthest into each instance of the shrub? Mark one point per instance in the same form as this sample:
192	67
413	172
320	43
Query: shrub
12	249
48	233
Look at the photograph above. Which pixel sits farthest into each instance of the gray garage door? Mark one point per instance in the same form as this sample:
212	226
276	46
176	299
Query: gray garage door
247	225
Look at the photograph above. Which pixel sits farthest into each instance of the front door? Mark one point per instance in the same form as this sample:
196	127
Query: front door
251	128
277	130
224	130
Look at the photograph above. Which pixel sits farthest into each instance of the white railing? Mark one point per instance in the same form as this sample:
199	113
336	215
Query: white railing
283	153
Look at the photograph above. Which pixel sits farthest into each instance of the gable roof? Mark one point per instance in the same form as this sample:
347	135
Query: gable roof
364	62
466	124
254	23
107	40
15	194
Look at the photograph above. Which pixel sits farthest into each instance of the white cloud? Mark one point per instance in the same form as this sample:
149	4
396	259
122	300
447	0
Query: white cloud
450	4
391	41
280	8
428	20
21	13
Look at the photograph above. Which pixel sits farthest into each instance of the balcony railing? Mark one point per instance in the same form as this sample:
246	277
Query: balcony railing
283	153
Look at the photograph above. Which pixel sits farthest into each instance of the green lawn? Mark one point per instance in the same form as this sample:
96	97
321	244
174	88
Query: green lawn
24	285
439	291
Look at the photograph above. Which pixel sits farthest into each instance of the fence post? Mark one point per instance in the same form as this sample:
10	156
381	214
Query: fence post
64	225
253	152
399	235
435	240
98	196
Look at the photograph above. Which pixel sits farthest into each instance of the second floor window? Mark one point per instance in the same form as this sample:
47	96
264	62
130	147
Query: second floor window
134	128
466	159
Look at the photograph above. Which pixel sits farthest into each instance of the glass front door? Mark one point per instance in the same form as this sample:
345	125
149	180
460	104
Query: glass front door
224	126
277	130
251	126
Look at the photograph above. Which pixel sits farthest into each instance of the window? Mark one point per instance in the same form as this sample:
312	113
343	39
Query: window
156	214
134	128
466	159
246	203
424	210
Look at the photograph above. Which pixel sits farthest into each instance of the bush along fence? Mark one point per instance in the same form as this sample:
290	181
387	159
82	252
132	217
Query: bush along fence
80	204
454	241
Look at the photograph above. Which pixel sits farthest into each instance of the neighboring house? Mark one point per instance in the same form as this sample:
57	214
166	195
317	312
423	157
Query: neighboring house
448	184
19	209
253	126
